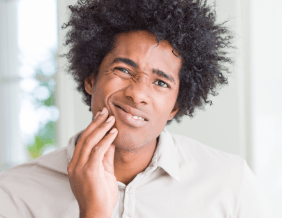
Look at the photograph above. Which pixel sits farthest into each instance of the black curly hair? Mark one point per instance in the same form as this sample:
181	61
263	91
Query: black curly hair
189	25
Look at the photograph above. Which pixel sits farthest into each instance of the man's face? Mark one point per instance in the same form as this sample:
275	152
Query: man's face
138	83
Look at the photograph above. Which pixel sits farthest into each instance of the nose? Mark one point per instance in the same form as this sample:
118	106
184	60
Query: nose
139	92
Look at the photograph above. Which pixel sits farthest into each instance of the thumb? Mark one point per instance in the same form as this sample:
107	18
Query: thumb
108	160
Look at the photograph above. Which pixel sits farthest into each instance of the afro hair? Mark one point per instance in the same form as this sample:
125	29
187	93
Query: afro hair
188	25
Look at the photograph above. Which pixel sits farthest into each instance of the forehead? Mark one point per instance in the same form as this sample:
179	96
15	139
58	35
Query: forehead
142	48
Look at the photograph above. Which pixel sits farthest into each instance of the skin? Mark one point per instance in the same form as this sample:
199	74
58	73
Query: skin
96	165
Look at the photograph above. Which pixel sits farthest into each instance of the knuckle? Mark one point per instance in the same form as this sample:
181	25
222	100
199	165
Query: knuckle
76	172
88	139
88	173
101	127
109	137
90	169
99	118
95	149
105	127
71	167
83	134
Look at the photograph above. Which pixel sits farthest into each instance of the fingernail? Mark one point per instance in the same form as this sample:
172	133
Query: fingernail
113	130
97	114
104	110
110	119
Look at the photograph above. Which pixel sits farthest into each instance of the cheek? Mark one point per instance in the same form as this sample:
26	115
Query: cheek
164	105
162	109
106	86
111	84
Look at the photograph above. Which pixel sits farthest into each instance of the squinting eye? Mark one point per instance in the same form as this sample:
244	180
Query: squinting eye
161	83
123	70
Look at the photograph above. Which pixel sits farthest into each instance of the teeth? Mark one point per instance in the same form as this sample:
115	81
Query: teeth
140	118
136	118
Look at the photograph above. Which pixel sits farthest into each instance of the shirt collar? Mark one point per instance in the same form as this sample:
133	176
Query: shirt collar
165	155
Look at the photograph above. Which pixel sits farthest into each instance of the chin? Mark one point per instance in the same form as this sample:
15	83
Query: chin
128	142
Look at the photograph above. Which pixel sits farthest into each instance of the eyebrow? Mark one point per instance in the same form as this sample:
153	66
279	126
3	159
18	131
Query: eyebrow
126	61
164	75
135	65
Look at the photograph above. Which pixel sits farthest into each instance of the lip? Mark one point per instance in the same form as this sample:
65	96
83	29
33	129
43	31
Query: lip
132	111
127	119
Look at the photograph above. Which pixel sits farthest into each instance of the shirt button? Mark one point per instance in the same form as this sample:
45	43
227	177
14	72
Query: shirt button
128	191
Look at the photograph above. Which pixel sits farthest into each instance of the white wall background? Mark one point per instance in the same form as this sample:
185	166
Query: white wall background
266	47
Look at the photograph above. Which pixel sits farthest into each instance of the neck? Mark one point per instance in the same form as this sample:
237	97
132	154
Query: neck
128	164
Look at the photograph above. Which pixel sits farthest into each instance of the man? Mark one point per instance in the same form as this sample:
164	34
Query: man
139	64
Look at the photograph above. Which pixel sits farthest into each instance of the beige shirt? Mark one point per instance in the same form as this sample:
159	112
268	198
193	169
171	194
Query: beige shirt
185	179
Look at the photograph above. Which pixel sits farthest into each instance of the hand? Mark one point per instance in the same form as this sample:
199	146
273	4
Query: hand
91	169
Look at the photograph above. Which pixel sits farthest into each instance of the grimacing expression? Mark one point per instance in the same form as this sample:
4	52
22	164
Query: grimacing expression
138	82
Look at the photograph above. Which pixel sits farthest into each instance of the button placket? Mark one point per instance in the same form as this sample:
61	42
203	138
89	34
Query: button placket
127	203
128	190
129	198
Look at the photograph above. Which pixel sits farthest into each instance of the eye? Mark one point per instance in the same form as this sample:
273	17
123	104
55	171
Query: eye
162	84
122	69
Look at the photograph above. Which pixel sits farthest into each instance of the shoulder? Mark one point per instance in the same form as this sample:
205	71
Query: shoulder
47	167
203	152
33	187
203	160
225	177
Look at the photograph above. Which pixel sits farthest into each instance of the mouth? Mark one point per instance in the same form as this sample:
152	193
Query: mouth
131	118
133	115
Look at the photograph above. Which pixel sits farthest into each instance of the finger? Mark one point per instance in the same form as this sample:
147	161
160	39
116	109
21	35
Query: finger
109	159
100	118
98	152
97	114
93	139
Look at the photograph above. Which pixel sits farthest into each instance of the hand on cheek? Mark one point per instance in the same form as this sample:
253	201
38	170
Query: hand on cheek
91	170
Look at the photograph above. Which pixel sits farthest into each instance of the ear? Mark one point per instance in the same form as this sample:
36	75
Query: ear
173	112
89	84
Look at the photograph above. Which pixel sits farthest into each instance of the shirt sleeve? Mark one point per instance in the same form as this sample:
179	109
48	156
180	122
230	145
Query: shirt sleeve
252	201
9	204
